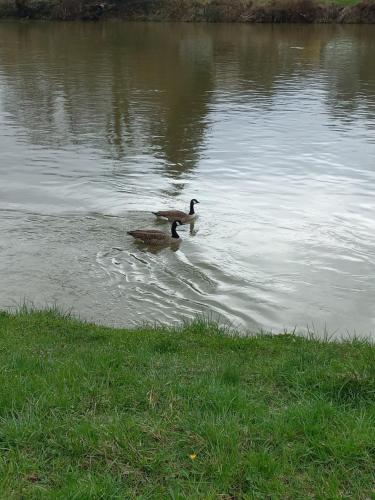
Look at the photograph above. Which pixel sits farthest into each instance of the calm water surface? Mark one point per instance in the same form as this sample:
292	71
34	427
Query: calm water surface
272	128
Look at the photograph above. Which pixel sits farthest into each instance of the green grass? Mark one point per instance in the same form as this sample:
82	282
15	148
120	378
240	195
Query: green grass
89	412
341	3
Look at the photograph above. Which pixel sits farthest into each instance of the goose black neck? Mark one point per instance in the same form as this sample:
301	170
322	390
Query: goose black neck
191	208
174	232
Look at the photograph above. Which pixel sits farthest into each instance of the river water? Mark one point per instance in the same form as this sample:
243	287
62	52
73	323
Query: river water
271	128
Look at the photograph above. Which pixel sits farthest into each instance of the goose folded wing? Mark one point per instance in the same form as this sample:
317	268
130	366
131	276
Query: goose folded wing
148	235
175	214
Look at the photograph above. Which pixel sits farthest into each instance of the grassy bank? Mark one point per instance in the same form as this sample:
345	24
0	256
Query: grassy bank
274	11
92	412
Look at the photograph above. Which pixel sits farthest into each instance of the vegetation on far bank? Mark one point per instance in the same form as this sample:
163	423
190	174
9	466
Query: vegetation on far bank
321	11
93	412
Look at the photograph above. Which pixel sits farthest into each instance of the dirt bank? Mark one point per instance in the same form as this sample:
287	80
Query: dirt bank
273	11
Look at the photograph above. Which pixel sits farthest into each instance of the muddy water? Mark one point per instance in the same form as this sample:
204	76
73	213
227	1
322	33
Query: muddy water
272	128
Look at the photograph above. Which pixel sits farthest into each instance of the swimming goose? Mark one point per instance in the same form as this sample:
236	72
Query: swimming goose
155	237
172	215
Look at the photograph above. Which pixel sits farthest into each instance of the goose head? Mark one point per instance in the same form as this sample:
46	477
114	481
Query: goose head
192	203
174	226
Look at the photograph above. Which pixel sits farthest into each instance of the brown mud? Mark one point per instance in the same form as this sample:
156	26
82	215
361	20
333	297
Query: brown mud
244	11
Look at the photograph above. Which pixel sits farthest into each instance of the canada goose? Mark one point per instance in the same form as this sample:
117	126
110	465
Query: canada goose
172	215
155	237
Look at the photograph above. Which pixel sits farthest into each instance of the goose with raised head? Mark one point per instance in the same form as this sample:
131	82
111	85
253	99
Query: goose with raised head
155	237
184	217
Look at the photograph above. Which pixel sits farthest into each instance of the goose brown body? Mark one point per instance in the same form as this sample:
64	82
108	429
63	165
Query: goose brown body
156	237
184	217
